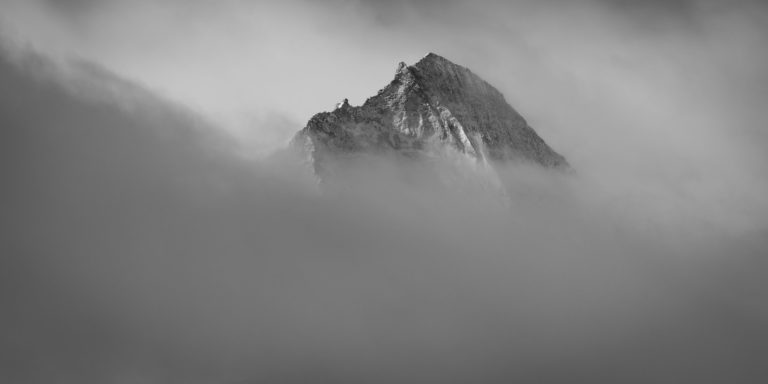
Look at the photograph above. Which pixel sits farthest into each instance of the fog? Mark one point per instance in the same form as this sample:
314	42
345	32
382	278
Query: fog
143	242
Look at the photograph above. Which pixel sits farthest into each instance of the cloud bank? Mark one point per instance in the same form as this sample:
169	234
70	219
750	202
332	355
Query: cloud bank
140	246
142	242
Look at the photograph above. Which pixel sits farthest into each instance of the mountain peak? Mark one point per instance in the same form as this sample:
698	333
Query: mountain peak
432	104
430	62
431	56
433	61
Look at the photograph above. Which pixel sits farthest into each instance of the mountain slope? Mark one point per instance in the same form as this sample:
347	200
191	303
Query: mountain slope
433	104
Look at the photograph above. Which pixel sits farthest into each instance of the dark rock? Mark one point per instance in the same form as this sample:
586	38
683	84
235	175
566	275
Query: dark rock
433	104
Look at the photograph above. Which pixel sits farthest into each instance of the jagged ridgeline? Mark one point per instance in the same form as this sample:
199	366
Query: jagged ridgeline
431	105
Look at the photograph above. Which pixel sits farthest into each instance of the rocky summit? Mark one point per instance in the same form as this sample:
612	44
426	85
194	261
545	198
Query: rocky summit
430	106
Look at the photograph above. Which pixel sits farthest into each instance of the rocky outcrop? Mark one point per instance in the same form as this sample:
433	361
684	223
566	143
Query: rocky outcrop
431	105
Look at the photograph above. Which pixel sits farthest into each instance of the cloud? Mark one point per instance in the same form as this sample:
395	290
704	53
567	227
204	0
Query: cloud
622	72
72	7
138	245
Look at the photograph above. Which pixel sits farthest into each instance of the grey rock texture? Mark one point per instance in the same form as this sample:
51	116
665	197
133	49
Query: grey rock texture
431	105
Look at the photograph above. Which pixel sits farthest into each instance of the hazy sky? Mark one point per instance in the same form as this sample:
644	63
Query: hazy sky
258	64
138	245
671	93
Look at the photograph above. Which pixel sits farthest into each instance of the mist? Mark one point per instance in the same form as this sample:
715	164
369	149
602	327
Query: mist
143	242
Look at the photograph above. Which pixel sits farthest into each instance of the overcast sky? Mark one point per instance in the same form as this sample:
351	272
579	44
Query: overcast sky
252	64
140	245
669	92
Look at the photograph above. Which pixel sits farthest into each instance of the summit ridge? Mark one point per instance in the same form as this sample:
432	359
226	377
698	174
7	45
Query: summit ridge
431	105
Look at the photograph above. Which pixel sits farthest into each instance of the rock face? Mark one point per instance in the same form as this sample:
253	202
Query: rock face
431	105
